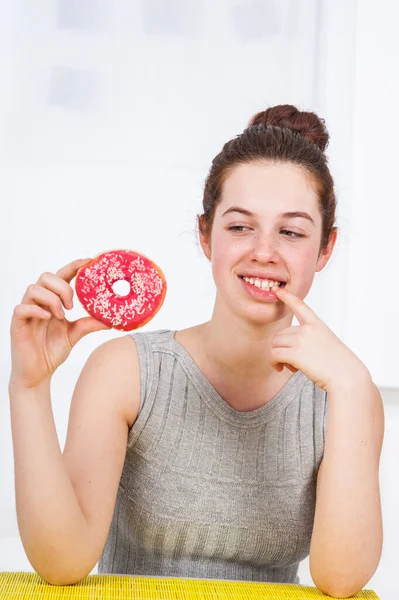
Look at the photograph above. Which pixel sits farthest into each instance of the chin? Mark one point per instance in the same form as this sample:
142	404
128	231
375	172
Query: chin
269	314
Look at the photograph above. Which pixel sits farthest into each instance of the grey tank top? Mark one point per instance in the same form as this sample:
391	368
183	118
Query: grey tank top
208	491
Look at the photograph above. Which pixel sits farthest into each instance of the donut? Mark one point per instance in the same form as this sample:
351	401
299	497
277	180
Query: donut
147	292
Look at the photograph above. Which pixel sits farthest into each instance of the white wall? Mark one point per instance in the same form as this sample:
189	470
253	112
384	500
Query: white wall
372	319
373	288
123	117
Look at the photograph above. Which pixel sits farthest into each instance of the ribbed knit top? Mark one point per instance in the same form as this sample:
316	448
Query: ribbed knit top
208	491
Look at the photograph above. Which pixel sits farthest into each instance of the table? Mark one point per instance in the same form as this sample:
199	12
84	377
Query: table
29	586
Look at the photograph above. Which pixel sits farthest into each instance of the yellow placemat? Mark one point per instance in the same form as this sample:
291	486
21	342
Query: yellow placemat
29	586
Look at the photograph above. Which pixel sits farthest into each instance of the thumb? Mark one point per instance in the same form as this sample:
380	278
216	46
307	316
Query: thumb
81	327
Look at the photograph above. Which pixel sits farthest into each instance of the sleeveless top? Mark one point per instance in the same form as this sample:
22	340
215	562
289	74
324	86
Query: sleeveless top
208	491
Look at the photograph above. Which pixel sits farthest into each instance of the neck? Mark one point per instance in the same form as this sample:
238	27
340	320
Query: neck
235	345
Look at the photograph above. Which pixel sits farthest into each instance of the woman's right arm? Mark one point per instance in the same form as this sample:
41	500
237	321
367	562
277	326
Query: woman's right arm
65	501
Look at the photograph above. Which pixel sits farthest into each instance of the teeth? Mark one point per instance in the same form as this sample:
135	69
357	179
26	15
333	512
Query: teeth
263	284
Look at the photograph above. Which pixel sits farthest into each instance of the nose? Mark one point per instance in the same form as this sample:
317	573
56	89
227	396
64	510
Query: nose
264	249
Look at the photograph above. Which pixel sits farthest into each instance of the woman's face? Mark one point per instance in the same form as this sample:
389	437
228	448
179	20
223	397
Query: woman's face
267	227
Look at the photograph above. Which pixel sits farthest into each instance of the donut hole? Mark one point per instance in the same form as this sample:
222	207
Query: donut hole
121	288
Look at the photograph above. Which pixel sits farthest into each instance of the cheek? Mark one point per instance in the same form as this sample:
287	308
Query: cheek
304	268
221	256
225	255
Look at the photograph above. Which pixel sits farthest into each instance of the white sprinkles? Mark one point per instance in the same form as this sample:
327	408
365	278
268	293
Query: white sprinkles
102	302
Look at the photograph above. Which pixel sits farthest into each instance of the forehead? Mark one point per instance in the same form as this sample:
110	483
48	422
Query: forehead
268	188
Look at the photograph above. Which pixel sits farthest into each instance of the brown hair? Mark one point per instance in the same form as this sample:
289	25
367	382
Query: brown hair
280	134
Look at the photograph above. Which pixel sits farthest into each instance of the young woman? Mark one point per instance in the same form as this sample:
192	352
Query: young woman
208	452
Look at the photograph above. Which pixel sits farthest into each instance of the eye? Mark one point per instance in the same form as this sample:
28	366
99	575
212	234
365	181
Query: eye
238	228
289	233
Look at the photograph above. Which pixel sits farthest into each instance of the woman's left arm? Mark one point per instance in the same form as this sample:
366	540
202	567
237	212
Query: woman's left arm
346	541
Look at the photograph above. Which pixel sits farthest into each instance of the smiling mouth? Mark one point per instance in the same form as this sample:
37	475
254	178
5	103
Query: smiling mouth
263	284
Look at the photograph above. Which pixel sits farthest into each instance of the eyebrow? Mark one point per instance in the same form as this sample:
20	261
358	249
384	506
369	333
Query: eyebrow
286	215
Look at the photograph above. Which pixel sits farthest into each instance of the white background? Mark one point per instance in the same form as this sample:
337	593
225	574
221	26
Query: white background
110	115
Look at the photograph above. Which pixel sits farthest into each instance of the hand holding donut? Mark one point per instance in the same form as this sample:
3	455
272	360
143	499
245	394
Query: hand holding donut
41	336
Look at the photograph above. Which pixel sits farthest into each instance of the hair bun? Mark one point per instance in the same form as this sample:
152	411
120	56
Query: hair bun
307	124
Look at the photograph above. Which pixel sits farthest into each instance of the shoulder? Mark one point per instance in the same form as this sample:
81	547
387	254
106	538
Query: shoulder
114	367
161	339
115	354
128	364
121	352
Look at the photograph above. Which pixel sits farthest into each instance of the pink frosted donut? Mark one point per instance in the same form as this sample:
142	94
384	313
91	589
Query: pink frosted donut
147	282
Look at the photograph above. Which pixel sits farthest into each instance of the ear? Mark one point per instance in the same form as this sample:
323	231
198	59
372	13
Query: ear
205	245
325	254
204	240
